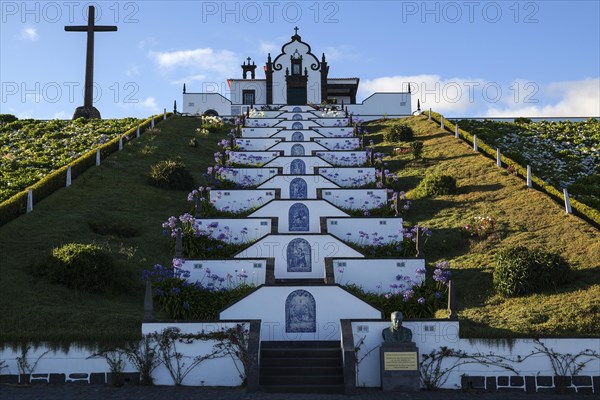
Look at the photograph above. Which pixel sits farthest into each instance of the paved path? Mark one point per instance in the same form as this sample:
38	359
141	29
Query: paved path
97	392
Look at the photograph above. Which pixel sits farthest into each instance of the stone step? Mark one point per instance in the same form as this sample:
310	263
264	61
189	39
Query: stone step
336	344
312	380
303	388
299	352
304	371
299	282
301	362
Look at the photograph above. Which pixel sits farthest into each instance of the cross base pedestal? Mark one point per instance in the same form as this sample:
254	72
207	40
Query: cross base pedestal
86	112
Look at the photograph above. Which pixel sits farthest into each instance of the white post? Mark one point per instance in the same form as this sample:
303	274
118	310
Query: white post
29	201
498	158
97	157
442	123
456	131
567	202
430	114
152	122
68	176
164	114
529	184
120	143
475	148
137	132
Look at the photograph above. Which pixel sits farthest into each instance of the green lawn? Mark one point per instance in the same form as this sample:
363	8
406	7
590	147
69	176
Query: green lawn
33	309
525	217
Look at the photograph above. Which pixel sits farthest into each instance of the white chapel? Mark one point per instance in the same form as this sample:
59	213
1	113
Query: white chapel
294	77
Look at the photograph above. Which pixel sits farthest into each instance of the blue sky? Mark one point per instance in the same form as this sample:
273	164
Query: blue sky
464	58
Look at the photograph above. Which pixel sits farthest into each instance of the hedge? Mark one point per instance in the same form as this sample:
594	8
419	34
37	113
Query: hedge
17	204
582	210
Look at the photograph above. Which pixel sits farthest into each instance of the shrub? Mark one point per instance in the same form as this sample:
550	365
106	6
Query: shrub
436	185
7	118
86	267
399	133
522	120
417	148
120	229
171	174
520	271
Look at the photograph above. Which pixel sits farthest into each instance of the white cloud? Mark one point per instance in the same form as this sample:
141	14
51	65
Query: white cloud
268	47
443	95
198	60
29	33
477	97
133	70
62	115
147	42
189	79
148	104
573	99
340	53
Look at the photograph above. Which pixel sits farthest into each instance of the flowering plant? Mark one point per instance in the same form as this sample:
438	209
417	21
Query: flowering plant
481	227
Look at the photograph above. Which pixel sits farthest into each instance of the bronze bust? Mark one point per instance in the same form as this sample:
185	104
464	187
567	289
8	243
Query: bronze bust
396	333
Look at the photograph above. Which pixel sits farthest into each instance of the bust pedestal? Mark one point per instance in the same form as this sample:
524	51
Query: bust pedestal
399	367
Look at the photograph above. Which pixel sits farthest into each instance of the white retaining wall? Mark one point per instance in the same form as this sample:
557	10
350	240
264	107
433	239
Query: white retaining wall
313	182
256	144
235	230
254	132
286	147
364	231
376	275
252	157
310	162
217	372
335	131
316	208
307	133
332	304
240	200
431	335
322	246
356	198
344	158
352	143
200	269
248	176
348	176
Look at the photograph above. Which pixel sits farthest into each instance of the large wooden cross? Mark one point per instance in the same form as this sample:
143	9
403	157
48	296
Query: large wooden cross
90	28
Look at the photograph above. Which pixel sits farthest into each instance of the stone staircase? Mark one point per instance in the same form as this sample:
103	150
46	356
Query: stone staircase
301	366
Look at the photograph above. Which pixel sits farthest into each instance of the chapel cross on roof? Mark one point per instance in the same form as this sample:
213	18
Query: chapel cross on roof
296	30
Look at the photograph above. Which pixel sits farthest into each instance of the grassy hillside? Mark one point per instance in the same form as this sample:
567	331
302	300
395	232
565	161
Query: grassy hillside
33	309
525	217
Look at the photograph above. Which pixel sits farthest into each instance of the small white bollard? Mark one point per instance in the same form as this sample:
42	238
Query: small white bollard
68	176
120	143
29	201
97	157
475	148
529	184
430	114
456	135
498	157
568	209
442	123
137	132
152	122
164	114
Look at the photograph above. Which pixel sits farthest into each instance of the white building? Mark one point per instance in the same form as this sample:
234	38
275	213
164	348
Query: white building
295	77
